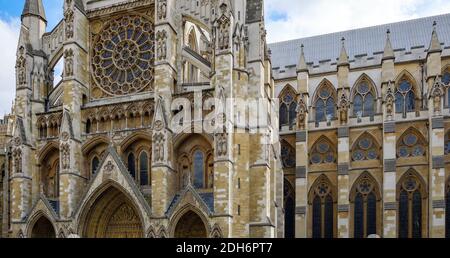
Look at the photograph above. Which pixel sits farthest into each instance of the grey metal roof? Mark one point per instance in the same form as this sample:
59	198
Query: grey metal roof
34	7
366	41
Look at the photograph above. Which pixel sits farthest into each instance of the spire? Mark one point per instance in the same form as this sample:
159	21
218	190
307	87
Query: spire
343	58
388	50
302	66
34	8
435	45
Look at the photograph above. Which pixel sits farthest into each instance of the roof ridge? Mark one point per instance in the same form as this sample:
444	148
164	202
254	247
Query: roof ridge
358	29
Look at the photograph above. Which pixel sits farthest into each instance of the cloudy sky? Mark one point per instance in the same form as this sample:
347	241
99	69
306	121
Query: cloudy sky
286	19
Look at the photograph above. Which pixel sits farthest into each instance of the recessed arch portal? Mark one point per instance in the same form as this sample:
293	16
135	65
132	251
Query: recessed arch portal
112	215
43	228
190	225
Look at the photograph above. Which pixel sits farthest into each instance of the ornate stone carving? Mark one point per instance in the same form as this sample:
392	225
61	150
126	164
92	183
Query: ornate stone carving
437	93
223	29
161	50
389	101
343	109
69	19
221	144
162	9
21	67
123	55
17	160
65	156
109	167
65	136
302	110
159	140
68	62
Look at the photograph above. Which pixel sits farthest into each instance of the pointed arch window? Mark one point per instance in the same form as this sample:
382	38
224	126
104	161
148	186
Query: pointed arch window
325	105
411	200
323	153
365	203
365	149
143	168
405	98
288	107
94	165
411	145
447	144
322	202
132	165
364	100
88	126
199	169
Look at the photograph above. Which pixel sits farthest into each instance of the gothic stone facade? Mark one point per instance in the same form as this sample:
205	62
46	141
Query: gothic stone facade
370	107
362	126
95	155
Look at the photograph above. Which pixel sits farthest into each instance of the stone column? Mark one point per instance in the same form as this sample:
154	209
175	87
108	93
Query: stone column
301	146
437	178
389	142
343	145
75	85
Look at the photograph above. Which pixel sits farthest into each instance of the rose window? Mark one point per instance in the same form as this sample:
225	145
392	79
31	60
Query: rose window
123	55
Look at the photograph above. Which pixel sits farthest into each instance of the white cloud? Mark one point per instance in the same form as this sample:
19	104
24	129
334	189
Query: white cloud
306	18
9	31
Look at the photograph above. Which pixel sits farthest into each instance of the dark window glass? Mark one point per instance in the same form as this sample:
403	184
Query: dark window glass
143	168
330	108
371	214
403	215
88	126
359	216
446	78
357	105
317	218
329	217
94	165
399	103
417	215
199	168
132	165
410	102
283	114
292	113
369	105
320	111
290	218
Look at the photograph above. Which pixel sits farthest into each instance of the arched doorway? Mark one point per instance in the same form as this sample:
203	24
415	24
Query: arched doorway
190	225
43	228
112	215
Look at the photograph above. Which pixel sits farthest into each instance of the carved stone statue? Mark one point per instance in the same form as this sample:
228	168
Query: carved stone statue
162	9
68	62
301	115
343	109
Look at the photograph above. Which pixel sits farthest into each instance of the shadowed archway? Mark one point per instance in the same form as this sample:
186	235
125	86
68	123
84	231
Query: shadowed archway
190	225
112	215
43	228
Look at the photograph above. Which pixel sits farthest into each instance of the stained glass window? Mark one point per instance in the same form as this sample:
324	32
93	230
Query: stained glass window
288	107
363	102
365	149
411	145
132	165
322	209
289	205
199	169
364	206
405	100
143	168
325	105
410	206
359	216
323	152
287	155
